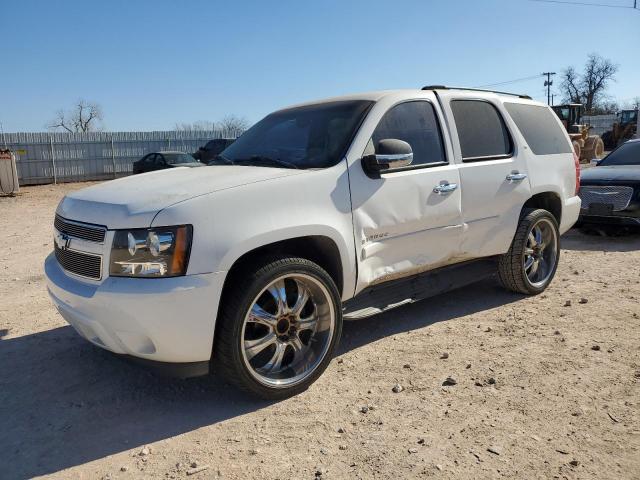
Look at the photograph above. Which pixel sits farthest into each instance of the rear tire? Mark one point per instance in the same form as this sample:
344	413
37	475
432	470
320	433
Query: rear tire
278	328
531	262
576	148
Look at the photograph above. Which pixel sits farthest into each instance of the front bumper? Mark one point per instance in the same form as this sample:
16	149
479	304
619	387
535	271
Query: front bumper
161	320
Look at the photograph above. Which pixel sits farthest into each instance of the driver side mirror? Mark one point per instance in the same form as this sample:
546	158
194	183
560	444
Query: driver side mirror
391	154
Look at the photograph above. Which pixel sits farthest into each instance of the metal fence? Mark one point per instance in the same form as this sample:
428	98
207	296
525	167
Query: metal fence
75	157
600	123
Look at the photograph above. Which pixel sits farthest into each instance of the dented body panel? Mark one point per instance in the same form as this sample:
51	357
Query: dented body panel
401	225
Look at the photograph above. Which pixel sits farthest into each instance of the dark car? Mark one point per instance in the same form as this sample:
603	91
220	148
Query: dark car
161	160
212	149
610	191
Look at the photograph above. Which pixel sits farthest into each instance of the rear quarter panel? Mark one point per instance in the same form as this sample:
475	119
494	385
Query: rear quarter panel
549	173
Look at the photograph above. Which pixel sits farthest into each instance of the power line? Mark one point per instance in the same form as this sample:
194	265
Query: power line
567	2
524	79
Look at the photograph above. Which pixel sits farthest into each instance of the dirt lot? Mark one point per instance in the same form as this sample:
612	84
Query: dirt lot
543	390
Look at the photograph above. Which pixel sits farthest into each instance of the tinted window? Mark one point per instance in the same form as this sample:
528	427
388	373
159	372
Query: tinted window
416	124
174	158
539	128
627	154
481	130
313	136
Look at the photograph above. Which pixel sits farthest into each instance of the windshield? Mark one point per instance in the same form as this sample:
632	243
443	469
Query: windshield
174	158
313	136
627	154
629	117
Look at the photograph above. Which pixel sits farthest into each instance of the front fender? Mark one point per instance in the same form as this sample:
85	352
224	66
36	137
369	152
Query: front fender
229	223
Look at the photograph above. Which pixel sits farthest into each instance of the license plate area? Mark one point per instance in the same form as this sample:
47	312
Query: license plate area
601	209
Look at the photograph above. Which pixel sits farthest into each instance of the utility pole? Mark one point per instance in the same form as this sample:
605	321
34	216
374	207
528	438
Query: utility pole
547	83
4	139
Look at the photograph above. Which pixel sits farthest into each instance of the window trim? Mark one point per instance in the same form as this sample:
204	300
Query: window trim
419	166
486	158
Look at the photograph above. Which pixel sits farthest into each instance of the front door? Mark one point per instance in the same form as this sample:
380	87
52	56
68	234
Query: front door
406	220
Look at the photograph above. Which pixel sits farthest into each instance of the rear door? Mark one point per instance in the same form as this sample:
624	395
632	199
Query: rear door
493	171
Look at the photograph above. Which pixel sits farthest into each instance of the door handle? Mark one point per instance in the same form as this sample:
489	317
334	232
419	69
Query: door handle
445	188
516	176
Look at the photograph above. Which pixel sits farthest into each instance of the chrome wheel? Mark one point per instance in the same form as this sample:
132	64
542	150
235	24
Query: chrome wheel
288	330
540	253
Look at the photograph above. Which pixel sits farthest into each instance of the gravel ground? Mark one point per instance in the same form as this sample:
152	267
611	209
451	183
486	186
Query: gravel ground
542	390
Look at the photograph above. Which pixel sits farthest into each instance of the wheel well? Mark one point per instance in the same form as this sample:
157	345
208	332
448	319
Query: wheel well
319	249
547	200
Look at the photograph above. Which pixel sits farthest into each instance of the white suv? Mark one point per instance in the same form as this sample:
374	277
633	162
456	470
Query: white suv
327	210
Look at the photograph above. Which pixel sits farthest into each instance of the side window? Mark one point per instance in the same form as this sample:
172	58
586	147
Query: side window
415	123
482	132
540	128
148	160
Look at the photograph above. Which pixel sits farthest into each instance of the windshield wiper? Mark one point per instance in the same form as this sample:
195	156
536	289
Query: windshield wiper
256	159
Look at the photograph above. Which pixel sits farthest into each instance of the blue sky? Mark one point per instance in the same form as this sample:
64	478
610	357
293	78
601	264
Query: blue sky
151	64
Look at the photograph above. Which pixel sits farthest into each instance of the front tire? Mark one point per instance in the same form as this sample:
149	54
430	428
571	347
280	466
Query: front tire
531	262
279	327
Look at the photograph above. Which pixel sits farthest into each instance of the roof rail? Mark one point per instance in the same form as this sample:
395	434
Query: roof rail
444	87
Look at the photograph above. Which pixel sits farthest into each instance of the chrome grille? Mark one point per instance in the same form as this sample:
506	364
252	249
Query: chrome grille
84	231
83	264
619	197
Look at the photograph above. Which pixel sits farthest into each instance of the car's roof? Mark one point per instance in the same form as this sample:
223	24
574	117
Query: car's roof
375	96
173	152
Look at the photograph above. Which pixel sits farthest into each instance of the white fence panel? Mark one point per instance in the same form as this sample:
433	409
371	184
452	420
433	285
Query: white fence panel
600	123
74	157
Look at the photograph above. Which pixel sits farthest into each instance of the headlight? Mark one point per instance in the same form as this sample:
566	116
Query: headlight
151	252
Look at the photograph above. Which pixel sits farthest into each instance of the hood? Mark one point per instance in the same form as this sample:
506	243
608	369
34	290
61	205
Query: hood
619	173
133	202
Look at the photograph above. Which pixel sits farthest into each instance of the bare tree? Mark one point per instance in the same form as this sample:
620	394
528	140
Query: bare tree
83	117
233	126
605	108
199	126
633	104
589	87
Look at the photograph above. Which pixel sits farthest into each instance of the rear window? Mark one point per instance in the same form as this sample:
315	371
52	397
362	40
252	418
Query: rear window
481	130
627	154
540	128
